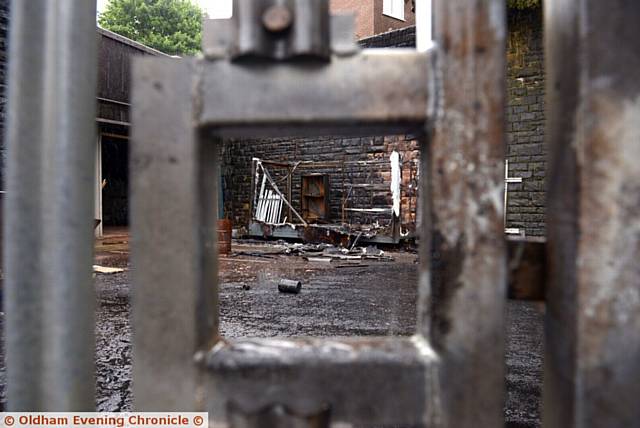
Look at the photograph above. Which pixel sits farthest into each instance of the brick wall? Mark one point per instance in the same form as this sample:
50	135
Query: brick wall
525	122
525	133
4	52
369	17
237	157
363	11
383	23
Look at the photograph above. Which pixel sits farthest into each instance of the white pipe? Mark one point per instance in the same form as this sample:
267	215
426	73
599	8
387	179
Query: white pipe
424	25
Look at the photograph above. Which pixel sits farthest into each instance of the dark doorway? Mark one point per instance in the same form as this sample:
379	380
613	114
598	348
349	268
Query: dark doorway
115	170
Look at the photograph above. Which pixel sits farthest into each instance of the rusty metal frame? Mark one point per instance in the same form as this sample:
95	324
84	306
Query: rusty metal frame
175	277
181	110
451	372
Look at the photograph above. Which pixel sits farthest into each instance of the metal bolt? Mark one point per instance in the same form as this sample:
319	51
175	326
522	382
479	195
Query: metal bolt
277	18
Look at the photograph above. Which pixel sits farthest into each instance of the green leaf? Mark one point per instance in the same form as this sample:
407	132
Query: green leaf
171	26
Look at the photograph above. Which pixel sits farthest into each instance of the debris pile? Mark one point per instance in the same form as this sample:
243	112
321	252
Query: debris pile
320	253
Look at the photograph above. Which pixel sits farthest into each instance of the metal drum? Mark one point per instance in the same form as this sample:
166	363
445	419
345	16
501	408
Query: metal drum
224	236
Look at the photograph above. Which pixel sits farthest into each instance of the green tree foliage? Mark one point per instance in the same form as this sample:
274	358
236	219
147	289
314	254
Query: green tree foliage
170	26
523	4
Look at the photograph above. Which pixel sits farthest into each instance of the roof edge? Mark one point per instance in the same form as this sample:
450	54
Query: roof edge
128	41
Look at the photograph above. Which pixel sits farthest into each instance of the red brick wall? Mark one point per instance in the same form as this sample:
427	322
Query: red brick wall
364	14
383	23
369	17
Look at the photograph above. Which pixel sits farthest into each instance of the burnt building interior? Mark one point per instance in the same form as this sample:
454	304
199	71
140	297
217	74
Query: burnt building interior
395	231
115	173
115	54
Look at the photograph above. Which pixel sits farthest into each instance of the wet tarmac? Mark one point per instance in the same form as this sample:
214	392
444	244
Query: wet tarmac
337	299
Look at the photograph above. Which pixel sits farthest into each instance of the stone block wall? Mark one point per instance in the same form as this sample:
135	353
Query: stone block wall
526	151
346	152
404	38
525	137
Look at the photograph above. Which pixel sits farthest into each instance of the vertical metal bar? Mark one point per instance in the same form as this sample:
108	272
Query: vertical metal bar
274	206
68	174
261	197
506	192
562	70
98	186
466	173
254	189
289	192
279	215
270	208
173	244
207	320
23	301
267	206
425	235
593	317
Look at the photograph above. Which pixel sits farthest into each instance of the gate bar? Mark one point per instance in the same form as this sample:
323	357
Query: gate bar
592	329
68	205
466	174
50	221
22	219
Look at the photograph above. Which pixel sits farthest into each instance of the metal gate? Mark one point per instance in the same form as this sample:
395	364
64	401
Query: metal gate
285	67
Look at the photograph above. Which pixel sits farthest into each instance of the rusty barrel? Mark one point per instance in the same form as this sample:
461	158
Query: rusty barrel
224	236
289	286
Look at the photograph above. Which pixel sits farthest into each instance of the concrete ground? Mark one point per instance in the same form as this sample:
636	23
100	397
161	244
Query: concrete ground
337	299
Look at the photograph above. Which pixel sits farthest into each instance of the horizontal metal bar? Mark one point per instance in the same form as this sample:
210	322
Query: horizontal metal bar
379	91
307	375
370	210
113	122
327	164
117	136
110	101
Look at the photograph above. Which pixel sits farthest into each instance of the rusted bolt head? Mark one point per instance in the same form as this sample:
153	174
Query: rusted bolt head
277	18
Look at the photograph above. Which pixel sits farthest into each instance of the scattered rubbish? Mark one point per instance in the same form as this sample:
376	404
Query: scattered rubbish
372	251
246	287
289	286
266	255
319	259
315	253
355	241
106	270
351	265
232	259
347	257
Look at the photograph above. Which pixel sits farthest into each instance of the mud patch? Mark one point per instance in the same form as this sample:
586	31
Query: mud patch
360	299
